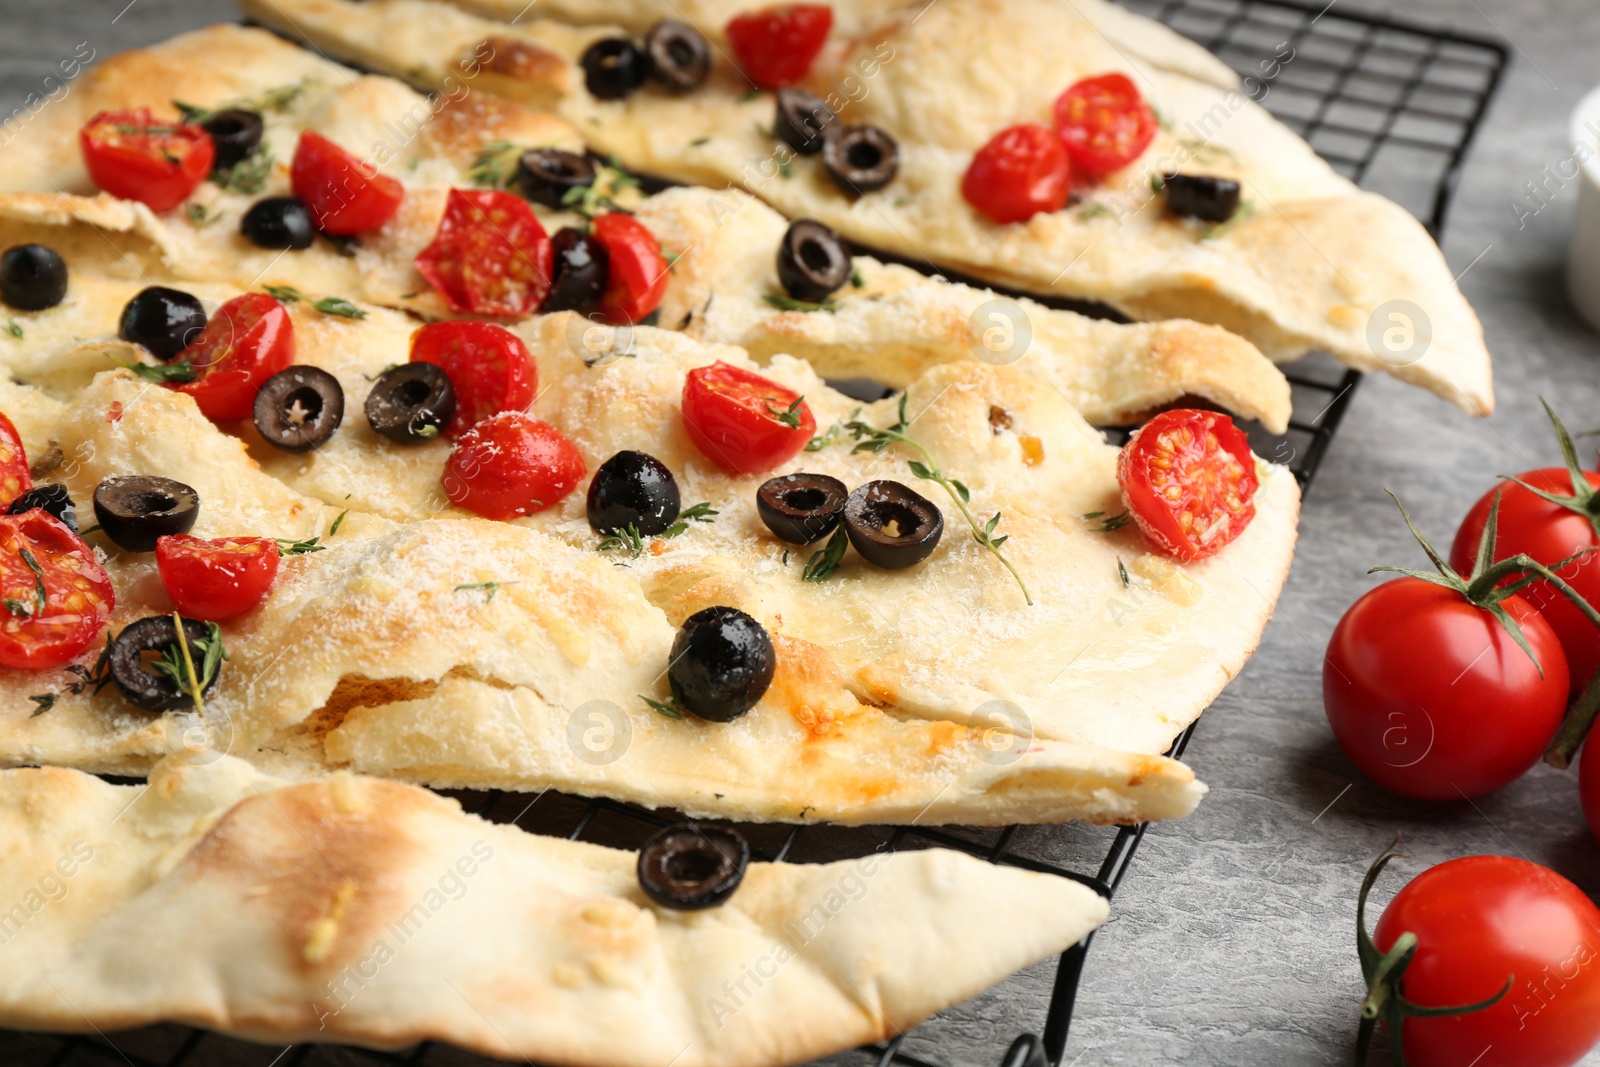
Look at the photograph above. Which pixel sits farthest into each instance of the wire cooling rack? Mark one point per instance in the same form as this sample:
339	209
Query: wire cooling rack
1392	105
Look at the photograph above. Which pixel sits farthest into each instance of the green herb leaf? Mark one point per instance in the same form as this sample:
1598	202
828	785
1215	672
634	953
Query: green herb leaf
698	141
181	371
786	169
822	564
664	709
749	95
789	416
600	195
248	176
1112	523
701	512
491	588
961	490
17	608
288	546
1122	572
834	435
284	294
338	305
46	701
278	99
626	539
496	164
922	470
856	281
14	329
789	303
38	580
338	522
197	214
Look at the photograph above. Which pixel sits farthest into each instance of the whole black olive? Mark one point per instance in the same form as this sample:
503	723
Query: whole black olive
892	525
1200	197
678	54
722	661
860	158
633	489
53	498
582	269
235	134
278	222
165	321
32	277
812	262
613	67
801	508
411	403
148	689
299	408
136	509
546	175
803	120
690	868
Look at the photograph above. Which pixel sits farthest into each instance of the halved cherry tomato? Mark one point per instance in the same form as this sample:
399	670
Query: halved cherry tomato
1479	920
247	341
1431	697
40	552
490	255
346	195
131	155
776	45
510	465
216	579
1104	123
488	365
1549	533
14	477
638	271
742	422
1189	481
1022	171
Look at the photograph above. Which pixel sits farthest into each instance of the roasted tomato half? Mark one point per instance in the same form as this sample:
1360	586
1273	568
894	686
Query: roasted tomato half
742	422
638	270
488	365
219	578
131	155
55	598
14	477
490	255
510	465
776	45
346	195
1022	171
1104	124
1189	481
247	341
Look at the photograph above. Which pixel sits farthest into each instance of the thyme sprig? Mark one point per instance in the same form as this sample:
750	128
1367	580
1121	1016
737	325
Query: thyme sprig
601	195
489	588
701	512
627	539
496	164
248	176
328	305
180	372
177	663
789	416
823	562
661	707
278	99
874	439
95	678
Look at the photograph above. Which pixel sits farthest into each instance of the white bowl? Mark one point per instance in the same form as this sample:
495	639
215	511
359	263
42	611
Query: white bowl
1583	265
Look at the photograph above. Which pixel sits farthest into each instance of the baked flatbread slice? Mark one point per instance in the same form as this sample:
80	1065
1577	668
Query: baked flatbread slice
1110	372
1310	262
355	910
463	652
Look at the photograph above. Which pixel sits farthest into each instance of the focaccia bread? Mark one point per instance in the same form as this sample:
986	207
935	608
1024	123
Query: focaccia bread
1112	373
354	910
1308	262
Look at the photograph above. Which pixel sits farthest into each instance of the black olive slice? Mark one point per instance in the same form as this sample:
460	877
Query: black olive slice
53	498
165	321
633	489
235	134
136	509
690	868
613	67
860	158
722	661
1200	197
32	277
299	408
892	525
803	120
139	684
278	222
582	269
545	175
801	508
411	403
678	54
812	262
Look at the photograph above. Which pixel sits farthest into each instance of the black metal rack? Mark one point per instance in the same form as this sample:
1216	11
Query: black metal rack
1391	104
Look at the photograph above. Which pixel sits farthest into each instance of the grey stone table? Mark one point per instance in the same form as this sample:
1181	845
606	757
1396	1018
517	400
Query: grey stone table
1231	939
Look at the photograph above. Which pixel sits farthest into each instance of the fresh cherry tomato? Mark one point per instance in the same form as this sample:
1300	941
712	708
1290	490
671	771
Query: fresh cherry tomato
742	422
1022	171
1589	785
1104	123
489	366
638	271
490	255
131	155
776	45
346	195
247	341
1549	533
1189	481
216	579
510	465
1431	697
14	477
1478	921
41	559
